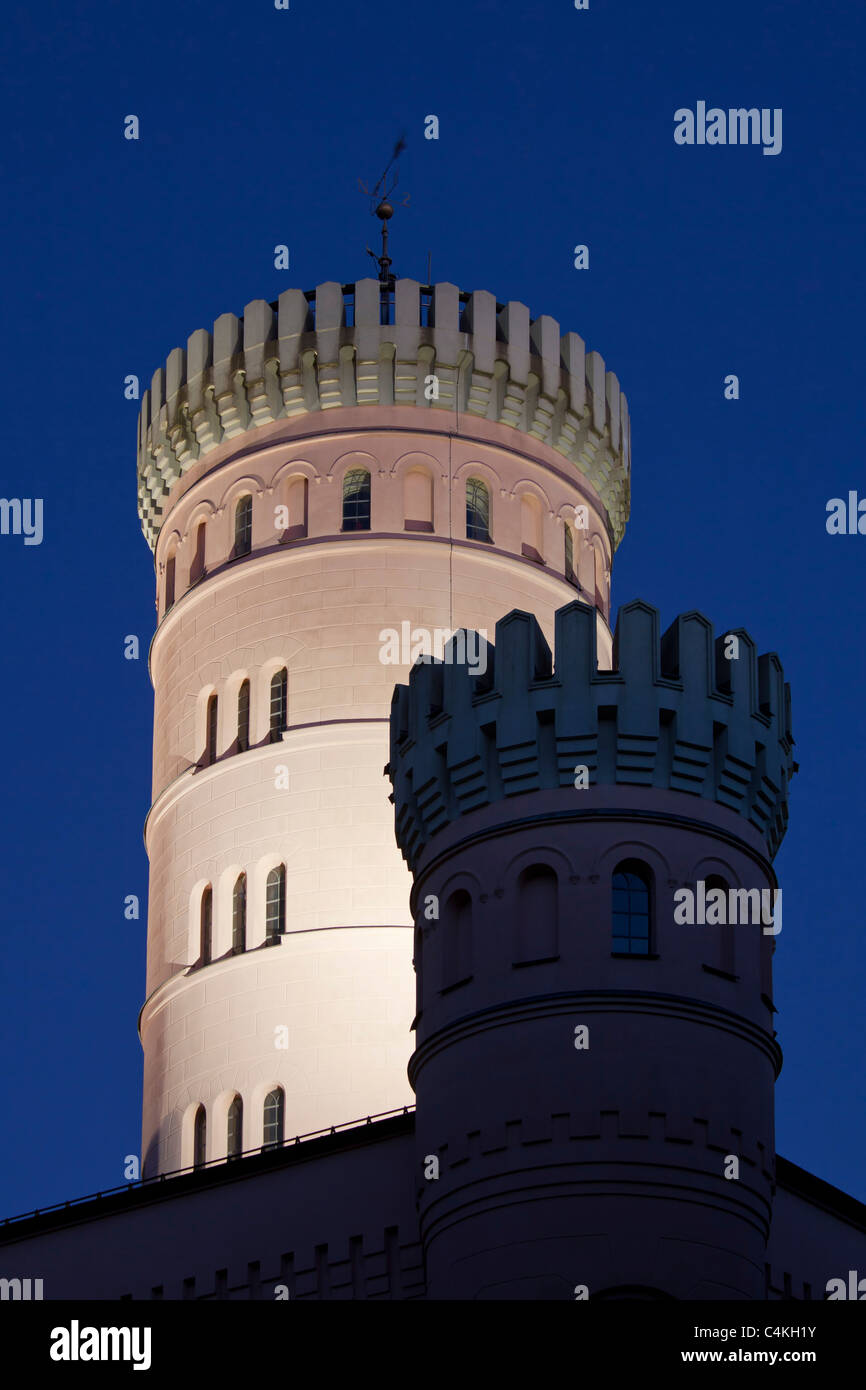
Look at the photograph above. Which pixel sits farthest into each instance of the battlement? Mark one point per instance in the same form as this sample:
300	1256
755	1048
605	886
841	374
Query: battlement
369	343
674	713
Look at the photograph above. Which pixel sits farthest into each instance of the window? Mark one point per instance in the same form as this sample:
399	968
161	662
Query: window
631	909
244	717
295	510
206	936
239	915
274	1118
169	581
569	555
356	500
196	569
531	528
199	1138
244	526
279	704
417	500
477	510
599	578
275	904
235	1130
537	915
210	752
457	940
725	960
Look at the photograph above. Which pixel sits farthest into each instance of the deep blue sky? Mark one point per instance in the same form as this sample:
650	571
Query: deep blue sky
556	129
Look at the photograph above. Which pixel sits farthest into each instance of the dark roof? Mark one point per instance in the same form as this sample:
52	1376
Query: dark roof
256	1163
822	1194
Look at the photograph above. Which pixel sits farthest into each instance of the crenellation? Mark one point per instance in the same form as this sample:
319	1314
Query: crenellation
673	727
298	356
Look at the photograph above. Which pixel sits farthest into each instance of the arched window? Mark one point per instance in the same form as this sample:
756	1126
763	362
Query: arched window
243	526
235	1129
537	915
196	569
239	915
599	577
170	566
275	1104
206	922
295	513
210	752
199	1138
530	528
244	717
275	904
279	705
356	500
457	940
569	555
477	510
418	500
720	925
631	908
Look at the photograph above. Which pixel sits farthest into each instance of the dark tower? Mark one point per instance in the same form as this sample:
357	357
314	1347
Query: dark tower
593	1076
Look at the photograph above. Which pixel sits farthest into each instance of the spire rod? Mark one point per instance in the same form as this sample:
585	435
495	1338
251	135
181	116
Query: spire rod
384	209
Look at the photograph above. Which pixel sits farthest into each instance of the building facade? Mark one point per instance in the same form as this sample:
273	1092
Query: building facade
566	834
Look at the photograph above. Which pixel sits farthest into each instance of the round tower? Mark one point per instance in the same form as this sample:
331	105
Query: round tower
326	482
595	1053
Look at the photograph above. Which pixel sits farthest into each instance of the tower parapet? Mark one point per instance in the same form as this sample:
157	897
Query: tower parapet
674	713
363	344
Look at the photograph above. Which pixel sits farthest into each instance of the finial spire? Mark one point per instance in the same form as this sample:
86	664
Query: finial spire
384	209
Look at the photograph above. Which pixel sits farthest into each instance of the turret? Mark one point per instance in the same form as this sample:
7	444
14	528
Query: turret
594	1072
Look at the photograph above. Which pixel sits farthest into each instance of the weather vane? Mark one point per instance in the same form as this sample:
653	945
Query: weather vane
382	207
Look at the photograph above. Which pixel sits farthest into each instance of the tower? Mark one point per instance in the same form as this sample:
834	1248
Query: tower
358	460
594	1071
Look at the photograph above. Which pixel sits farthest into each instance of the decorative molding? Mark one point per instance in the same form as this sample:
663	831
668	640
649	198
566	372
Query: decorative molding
673	713
299	355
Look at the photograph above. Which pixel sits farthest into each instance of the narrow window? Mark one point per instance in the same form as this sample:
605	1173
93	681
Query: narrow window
244	717
631	908
210	753
196	569
279	704
274	1118
418	500
296	510
199	1141
170	566
537	915
599	578
725	933
206	925
457	940
569	554
530	529
239	915
275	904
235	1132
243	526
356	500
477	510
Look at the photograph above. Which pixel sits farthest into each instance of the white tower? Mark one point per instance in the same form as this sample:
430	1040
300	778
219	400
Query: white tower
339	463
